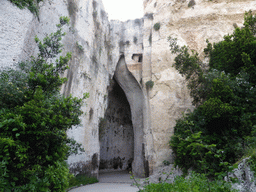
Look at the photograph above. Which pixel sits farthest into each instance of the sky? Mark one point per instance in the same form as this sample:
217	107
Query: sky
123	9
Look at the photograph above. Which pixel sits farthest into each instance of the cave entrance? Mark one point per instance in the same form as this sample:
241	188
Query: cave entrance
116	133
134	143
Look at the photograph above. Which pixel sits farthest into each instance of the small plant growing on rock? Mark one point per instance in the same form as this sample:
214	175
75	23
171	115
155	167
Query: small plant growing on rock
166	163
135	40
157	26
30	4
149	84
80	47
149	16
191	3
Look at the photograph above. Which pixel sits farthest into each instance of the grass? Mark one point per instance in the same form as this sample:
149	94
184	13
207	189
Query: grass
194	183
81	180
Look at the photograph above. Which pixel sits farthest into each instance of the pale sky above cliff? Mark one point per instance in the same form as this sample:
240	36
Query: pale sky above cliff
123	9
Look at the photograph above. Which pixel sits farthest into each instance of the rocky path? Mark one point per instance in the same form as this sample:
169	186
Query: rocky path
110	182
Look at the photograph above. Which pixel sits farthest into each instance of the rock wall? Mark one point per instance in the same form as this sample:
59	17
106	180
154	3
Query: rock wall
132	51
191	22
96	46
90	66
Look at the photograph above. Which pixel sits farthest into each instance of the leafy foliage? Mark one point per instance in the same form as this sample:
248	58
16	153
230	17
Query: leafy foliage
157	26
30	4
194	183
34	118
149	84
191	67
237	52
215	135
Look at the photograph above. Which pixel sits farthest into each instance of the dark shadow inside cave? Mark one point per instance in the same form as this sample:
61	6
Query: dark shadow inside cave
116	132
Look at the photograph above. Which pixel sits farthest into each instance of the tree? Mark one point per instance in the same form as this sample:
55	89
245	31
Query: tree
225	98
34	118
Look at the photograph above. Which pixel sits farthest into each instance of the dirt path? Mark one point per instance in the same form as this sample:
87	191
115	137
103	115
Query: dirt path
110	182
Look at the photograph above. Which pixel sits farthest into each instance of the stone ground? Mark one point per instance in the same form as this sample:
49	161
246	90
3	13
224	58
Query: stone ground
117	181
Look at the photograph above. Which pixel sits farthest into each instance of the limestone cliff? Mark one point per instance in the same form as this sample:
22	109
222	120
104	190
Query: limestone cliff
122	55
90	66
96	46
191	22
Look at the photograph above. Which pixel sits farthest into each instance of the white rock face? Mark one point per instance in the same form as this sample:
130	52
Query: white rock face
90	68
13	28
244	176
147	57
191	26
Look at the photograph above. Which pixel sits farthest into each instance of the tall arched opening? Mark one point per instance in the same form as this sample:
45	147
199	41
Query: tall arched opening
116	132
136	100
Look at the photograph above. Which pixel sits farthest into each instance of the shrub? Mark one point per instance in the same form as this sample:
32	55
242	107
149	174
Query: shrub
30	4
215	135
149	84
34	118
80	47
191	3
157	26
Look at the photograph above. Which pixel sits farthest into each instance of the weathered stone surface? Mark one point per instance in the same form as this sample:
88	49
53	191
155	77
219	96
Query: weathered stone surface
13	28
146	57
90	67
191	25
162	174
244	176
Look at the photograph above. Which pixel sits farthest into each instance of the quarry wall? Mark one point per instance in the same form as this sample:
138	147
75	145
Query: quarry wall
126	54
191	22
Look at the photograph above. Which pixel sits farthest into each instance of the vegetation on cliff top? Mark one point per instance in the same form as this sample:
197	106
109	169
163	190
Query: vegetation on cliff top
32	5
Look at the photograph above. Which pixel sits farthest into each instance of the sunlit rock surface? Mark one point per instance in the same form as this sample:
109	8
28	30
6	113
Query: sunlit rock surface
146	57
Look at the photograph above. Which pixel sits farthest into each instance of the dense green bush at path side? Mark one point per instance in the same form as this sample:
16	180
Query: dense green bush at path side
217	133
34	118
195	183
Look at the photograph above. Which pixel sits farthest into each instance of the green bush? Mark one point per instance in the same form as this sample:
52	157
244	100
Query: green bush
191	3
157	26
149	84
30	4
216	134
194	183
34	118
80	47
